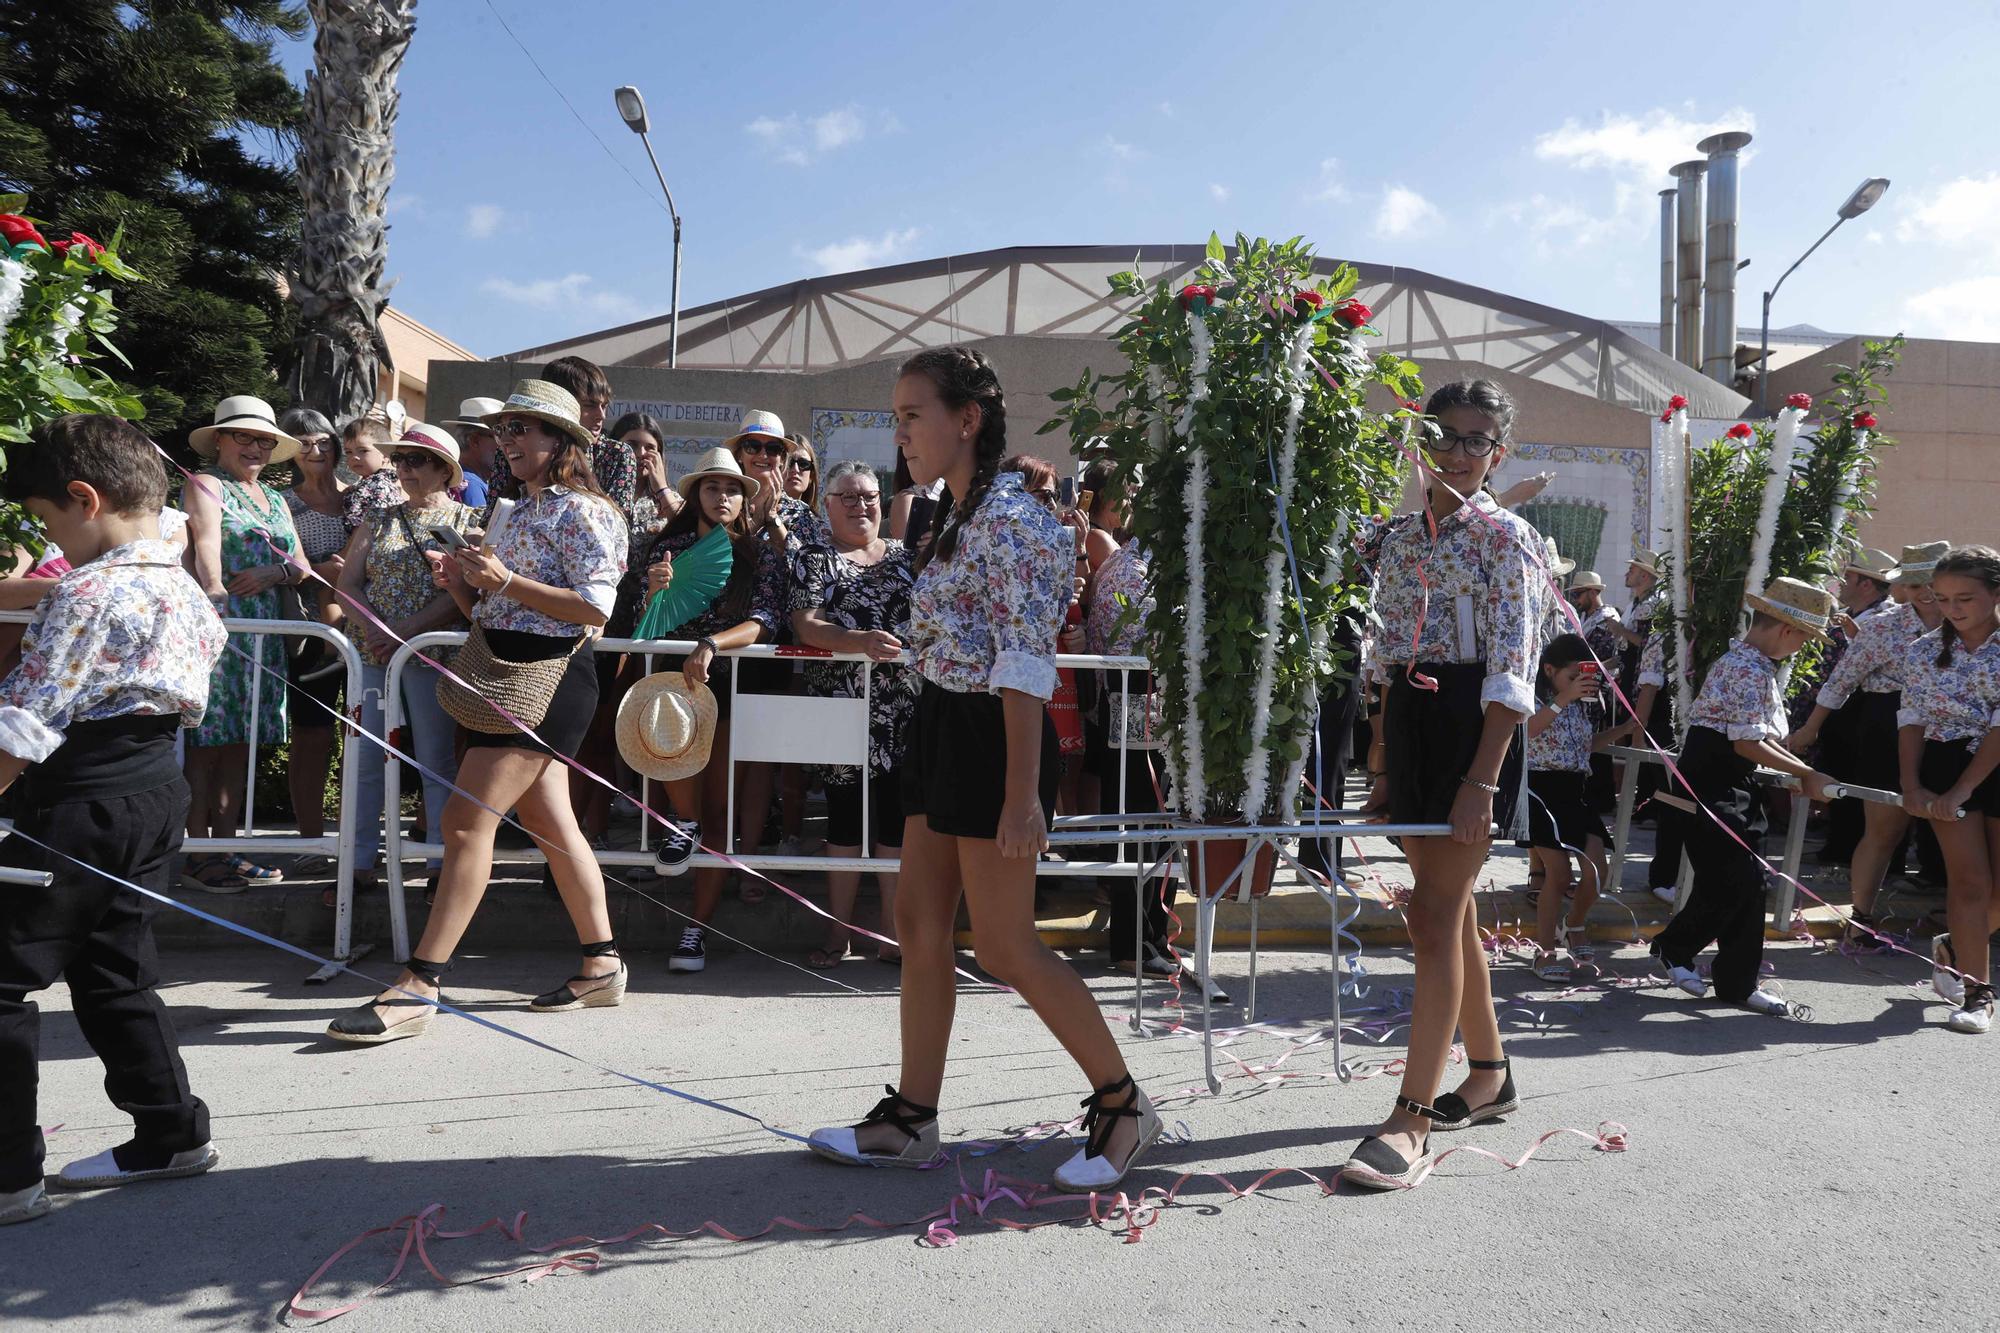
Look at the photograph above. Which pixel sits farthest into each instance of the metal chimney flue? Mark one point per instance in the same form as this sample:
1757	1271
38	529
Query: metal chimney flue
1667	198
1687	267
1718	328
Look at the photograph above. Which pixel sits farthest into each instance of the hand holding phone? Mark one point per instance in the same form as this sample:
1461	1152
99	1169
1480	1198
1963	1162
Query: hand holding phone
451	538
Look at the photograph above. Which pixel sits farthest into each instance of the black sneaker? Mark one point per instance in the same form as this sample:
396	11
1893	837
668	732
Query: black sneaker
691	955
678	841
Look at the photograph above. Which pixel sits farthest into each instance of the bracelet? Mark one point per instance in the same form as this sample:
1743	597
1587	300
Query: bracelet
503	583
1489	788
705	642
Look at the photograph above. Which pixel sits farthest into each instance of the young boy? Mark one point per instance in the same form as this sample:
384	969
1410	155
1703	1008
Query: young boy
1737	723
117	661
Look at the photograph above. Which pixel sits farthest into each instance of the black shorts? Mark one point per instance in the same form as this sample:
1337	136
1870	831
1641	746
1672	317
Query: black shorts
1559	813
955	768
885	812
1431	737
570	710
1944	762
1872	758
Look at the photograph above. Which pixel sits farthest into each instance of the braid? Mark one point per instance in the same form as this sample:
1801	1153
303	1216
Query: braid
1979	563
962	375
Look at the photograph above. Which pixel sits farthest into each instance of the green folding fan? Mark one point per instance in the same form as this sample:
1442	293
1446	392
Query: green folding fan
699	575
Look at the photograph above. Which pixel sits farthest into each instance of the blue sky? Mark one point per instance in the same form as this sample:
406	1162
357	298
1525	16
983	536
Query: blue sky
1517	146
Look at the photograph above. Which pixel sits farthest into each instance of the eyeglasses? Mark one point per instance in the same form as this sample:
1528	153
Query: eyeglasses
515	427
244	439
1048	498
859	499
412	457
800	464
313	444
1472	446
764	448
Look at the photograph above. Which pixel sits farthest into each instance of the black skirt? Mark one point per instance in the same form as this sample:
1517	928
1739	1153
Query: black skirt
570	710
1431	737
1559	813
1872	758
955	769
1944	762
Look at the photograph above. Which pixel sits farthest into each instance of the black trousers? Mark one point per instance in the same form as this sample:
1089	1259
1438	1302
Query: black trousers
99	938
1725	905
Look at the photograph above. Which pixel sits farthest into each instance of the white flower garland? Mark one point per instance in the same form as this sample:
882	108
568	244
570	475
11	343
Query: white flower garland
1784	445
1838	518
13	289
1673	454
1156	446
1257	765
1201	344
1288	810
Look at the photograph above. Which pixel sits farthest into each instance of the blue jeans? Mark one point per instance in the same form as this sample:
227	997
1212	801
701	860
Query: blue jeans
431	734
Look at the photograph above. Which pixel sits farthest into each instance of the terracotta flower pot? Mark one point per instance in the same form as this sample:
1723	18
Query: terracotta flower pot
1220	858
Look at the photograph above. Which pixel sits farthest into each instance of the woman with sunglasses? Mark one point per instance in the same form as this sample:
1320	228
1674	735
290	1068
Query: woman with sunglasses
317	501
241	542
1457	590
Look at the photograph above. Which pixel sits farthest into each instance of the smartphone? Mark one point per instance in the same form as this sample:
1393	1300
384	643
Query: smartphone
451	538
1066	492
1086	502
922	510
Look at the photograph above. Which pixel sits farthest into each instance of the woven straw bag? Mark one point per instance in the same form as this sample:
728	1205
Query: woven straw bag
524	689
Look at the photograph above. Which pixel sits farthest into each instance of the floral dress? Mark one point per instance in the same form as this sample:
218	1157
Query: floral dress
862	597
248	517
398	579
378	490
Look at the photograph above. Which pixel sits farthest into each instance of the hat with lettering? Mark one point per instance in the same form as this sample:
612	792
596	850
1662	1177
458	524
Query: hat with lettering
550	404
759	426
1920	562
1797	604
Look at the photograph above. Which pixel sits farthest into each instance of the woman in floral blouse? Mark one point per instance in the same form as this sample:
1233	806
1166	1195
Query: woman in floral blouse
978	777
540	590
1457	594
853	596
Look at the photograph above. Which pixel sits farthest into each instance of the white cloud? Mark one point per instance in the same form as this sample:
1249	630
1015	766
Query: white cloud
863	251
411	203
1559	225
572	293
796	140
1643	145
1124	152
1404	212
482	220
1219	193
1166	109
1330	186
836	129
1965	211
1968	308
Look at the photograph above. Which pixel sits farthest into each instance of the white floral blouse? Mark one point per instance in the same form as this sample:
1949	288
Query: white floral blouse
1653	662
129	632
1565	746
1115	624
987	619
566	539
1960	702
1740	698
1873	661
1483	602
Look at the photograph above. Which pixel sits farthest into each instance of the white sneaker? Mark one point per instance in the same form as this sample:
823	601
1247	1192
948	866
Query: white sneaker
1763	1002
102	1171
23	1205
1945	979
1976	1014
1666	893
1688	980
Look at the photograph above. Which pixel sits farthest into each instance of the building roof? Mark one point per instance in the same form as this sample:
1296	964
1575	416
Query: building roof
1062	291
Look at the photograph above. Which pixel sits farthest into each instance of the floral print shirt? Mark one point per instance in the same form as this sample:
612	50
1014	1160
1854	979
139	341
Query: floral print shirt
1565	746
398	578
1740	698
566	539
1653	662
863	597
616	468
129	632
377	491
1960	702
767	599
1115	624
321	535
1597	633
1873	662
987	619
1483	602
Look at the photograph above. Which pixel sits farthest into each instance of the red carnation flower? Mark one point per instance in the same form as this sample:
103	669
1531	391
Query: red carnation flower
1666	416
1864	421
1677	402
1741	431
17	230
1802	401
1352	313
1304	303
1197	296
1412	405
91	249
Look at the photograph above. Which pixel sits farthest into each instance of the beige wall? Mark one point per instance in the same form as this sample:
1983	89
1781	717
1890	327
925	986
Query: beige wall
414	348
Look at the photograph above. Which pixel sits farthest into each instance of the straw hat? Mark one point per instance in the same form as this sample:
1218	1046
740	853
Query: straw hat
423	435
1558	566
472	413
1646	560
1919	562
1589	578
244	412
1797	604
665	730
545	402
1870	563
761	425
718	463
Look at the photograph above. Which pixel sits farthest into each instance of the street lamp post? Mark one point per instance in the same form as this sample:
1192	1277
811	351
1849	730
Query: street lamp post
1864	197
632	110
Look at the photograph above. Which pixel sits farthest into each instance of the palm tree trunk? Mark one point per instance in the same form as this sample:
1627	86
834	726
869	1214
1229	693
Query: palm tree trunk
347	159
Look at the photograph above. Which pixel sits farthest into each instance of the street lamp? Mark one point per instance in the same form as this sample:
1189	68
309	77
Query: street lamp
1864	198
632	110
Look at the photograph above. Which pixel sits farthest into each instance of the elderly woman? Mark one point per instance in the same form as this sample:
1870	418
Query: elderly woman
241	547
317	500
535	594
853	596
387	570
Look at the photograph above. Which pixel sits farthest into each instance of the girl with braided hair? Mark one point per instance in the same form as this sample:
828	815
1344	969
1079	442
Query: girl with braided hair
1949	743
979	776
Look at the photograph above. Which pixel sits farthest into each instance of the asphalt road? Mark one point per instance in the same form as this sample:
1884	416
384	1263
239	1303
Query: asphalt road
1780	1175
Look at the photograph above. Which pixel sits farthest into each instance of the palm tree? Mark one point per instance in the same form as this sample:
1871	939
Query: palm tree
347	159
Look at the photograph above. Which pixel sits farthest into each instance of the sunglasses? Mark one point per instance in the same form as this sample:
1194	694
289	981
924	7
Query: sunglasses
762	448
513	428
1047	497
800	465
412	457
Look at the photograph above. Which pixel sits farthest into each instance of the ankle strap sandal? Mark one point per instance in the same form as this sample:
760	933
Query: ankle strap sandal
1456	1114
607	990
424	970
1100	1116
917	1122
898	1110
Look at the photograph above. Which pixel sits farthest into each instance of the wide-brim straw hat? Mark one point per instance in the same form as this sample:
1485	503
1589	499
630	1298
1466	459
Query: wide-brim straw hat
423	435
545	402
1797	604
1589	578
1559	565
666	729
472	413
1870	563
1920	562
244	412
718	463
758	425
1645	560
